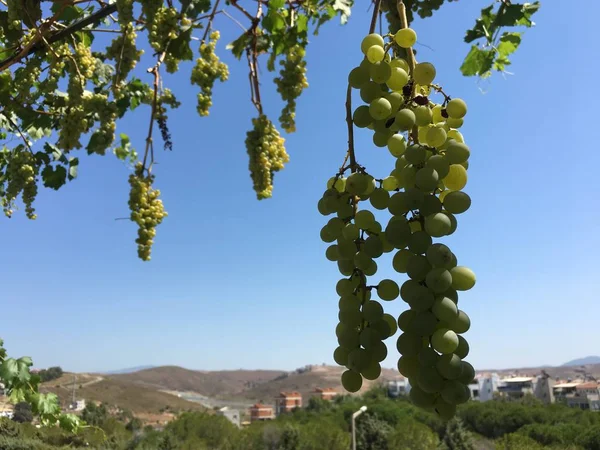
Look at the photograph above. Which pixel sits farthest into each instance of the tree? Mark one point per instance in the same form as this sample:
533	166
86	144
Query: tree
22	413
412	435
51	373
456	436
372	433
49	45
94	414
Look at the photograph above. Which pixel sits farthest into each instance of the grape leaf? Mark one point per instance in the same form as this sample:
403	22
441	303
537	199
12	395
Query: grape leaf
69	422
518	14
482	25
237	47
54	177
8	370
477	62
192	8
73	167
302	23
509	42
180	46
68	14
276	4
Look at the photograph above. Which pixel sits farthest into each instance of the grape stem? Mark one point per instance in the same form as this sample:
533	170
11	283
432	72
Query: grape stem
404	24
374	18
210	20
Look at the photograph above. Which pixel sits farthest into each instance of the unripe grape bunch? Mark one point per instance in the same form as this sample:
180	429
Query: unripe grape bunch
415	204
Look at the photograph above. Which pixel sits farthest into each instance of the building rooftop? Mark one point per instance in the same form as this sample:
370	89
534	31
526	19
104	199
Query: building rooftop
290	394
260	405
567	385
588	385
517	379
325	390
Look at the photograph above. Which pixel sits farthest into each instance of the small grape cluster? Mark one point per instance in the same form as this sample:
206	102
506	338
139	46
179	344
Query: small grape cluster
125	12
267	154
57	66
21	173
98	106
207	70
147	210
163	27
26	78
86	62
125	53
422	194
73	123
290	84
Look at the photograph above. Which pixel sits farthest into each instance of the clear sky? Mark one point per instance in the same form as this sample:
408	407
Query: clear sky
238	283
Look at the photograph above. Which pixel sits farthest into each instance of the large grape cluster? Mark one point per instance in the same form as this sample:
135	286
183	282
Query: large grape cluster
21	172
26	78
125	11
147	210
73	122
86	63
99	107
56	69
267	154
207	70
125	53
422	194
290	84
163	27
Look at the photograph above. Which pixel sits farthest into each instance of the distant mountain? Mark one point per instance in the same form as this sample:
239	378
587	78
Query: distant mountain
129	370
583	361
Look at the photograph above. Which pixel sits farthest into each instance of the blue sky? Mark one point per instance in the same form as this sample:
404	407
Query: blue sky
238	283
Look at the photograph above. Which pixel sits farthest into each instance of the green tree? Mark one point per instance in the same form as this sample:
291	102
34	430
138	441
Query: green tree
412	435
51	373
372	433
95	414
22	413
515	441
456	436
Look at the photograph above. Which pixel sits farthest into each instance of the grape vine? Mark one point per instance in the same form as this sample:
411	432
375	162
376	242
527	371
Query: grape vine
422	194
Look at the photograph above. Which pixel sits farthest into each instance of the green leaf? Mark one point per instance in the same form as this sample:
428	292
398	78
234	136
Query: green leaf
18	394
68	14
509	42
86	37
518	14
193	8
238	46
73	167
54	177
482	25
302	23
180	46
8	370
477	62
56	152
69	422
276	4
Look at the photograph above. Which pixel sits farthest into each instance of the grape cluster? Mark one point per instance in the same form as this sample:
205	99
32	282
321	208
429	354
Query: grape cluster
147	210
98	106
26	78
422	194
207	70
125	53
14	9
73	122
267	154
21	173
290	84
86	63
163	27
125	11
57	66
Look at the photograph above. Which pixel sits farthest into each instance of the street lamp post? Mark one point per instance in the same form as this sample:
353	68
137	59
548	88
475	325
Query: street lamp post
354	416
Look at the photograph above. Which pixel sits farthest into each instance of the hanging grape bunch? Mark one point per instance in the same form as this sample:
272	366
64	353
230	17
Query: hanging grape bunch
422	194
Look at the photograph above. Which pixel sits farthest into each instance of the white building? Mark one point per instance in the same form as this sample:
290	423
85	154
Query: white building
78	405
397	388
233	415
484	386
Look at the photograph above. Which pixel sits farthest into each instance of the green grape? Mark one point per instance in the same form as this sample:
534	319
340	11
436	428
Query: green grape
398	79
337	183
351	381
380	198
362	117
461	323
438	225
335	226
356	183
456	108
415	226
207	70
402	63
419	242
370	40
467	373
445	410
427	179
430	381
416	154
449	366
373	246
344	287
428	357
405	119
463	278
455	135
398	204
418	267
463	348
408	366
421	398
424	73
438	280
379	351
445	309
405	319
388	290
409	344
390	184
406	177
453	222
435	137
465	164
444	340
454	123
362	261
456	178
437	114
340	356
380	108
396	100
363	294
349	302
350	317
369	337
396	145
431	205
370	91
457	153
423	115
372	371
364	219
358	77
372	311
457	202
380	72
383	328
326	235
440	164
348	337
345	266
406	37
332	253
375	54
393	326
380	139
400	261
398	233
424	323
350	231
455	393
409	290
414	197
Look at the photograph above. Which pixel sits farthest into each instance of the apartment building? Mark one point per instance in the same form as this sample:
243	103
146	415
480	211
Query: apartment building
325	393
233	415
578	394
397	388
287	401
260	412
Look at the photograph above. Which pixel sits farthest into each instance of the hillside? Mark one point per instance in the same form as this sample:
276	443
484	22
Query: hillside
583	361
211	384
126	395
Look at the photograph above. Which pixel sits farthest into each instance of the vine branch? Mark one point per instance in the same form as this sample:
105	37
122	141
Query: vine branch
210	20
374	17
